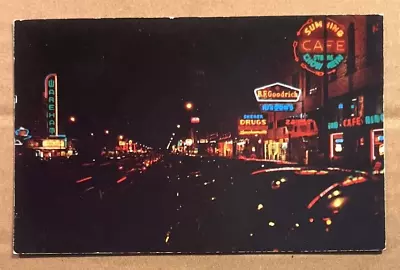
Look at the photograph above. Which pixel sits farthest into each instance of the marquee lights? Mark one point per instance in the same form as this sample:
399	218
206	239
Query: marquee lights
54	143
309	50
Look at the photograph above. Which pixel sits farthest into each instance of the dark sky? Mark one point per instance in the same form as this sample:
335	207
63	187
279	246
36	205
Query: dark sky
133	76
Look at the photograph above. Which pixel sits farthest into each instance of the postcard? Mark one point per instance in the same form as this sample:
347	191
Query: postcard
199	135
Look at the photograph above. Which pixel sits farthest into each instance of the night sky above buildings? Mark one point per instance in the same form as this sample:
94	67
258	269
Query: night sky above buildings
133	77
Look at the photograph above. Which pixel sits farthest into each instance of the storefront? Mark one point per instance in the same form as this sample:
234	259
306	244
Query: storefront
356	136
276	146
225	149
252	133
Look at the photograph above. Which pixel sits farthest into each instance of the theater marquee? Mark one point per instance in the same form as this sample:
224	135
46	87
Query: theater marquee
309	50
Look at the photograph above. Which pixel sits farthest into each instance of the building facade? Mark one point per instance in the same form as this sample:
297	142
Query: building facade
354	111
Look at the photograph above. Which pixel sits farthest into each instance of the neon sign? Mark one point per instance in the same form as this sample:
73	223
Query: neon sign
252	132
309	51
354	121
195	120
358	121
253	126
277	92
259	122
333	125
54	144
277	107
50	95
253	116
23	132
374	119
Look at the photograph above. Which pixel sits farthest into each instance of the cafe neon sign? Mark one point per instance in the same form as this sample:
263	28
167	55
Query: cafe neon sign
51	96
357	121
309	51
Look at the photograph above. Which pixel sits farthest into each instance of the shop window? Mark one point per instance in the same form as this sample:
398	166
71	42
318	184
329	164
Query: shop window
281	123
377	144
313	84
351	51
357	107
332	77
336	145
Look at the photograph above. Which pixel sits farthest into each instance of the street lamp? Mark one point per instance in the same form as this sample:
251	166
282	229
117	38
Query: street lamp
121	137
189	106
92	134
72	119
178	126
106	131
173	134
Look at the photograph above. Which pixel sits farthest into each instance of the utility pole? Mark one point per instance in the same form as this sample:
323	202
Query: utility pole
324	138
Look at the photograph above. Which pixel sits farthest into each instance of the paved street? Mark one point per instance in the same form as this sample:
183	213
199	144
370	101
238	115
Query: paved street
176	203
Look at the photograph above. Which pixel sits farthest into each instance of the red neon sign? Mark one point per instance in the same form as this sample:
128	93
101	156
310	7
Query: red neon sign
195	120
352	122
308	49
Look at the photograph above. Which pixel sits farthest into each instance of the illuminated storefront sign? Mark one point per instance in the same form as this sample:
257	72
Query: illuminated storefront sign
252	132
188	142
309	50
374	119
195	120
377	144
54	144
253	116
225	136
252	126
277	107
277	92
23	133
357	121
336	144
50	95
17	142
259	122
213	136
352	122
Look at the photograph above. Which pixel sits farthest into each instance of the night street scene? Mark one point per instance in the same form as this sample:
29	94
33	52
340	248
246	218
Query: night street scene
199	135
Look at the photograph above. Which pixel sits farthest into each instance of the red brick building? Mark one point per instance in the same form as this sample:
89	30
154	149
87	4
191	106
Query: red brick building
355	91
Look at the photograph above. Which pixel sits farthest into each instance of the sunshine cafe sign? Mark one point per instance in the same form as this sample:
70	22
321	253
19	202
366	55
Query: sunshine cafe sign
277	93
309	50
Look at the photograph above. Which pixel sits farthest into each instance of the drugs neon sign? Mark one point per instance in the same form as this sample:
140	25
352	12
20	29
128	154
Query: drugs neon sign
309	50
50	94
